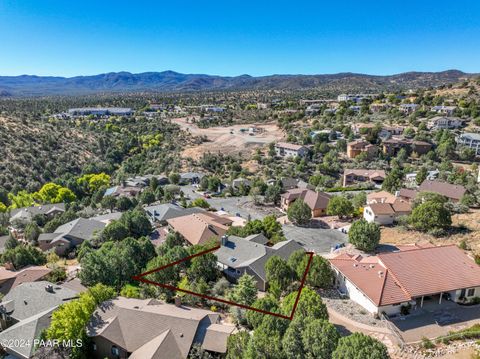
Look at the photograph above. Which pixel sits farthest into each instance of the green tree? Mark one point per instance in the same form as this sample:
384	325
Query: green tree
430	215
237	345
23	255
394	180
174	178
363	235
245	292
320	274
299	212
115	264
70	320
114	231
54	193
421	175
109	202
359	346
272	194
203	267
292	341
137	223
320	338
32	231
268	303
266	342
277	270
339	206
147	196
124	203
310	304
200	202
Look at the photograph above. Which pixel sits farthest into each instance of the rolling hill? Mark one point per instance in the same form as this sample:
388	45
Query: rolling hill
170	81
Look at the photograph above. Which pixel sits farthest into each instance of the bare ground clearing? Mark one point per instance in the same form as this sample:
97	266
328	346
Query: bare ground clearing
230	139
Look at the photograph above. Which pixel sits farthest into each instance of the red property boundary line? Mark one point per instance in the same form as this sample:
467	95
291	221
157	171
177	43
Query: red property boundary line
141	278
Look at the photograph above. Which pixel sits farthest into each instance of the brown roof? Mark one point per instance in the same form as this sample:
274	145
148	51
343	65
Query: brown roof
198	228
358	143
11	279
448	190
381	208
401	206
405	275
153	329
381	197
365	173
407	193
314	200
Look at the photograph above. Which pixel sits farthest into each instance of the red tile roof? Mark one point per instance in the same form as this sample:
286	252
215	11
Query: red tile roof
401	276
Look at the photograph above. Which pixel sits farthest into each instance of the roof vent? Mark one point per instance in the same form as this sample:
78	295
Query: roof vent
355	265
372	265
380	273
49	288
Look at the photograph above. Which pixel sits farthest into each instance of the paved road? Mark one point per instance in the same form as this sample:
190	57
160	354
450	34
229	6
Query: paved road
232	205
318	240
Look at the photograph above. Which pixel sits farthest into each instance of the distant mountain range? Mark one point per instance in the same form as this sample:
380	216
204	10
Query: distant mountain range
170	81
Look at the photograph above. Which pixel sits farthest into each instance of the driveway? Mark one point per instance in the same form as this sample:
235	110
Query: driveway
317	240
432	323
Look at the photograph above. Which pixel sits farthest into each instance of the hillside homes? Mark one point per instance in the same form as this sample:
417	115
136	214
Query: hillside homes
357	147
444	123
470	140
70	235
452	192
237	256
199	228
285	149
352	176
387	282
151	329
392	146
317	201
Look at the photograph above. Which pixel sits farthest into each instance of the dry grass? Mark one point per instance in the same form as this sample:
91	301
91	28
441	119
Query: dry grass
471	220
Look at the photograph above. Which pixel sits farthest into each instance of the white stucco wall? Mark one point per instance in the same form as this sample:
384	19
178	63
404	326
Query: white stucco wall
354	293
370	217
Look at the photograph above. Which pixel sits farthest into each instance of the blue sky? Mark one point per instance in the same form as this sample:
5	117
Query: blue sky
231	37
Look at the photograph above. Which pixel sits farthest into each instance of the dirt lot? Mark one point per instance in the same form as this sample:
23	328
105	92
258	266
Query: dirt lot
395	235
229	139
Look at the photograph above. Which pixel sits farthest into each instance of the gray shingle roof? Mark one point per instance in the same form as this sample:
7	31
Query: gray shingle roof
26	330
239	252
141	325
81	228
32	298
165	211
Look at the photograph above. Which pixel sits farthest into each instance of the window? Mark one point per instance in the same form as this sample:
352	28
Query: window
471	292
115	350
94	346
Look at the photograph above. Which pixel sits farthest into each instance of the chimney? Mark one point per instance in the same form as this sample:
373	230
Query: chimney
178	301
224	240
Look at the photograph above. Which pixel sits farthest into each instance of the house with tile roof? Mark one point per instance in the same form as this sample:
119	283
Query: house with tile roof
238	256
151	329
386	282
352	176
317	201
199	228
384	213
